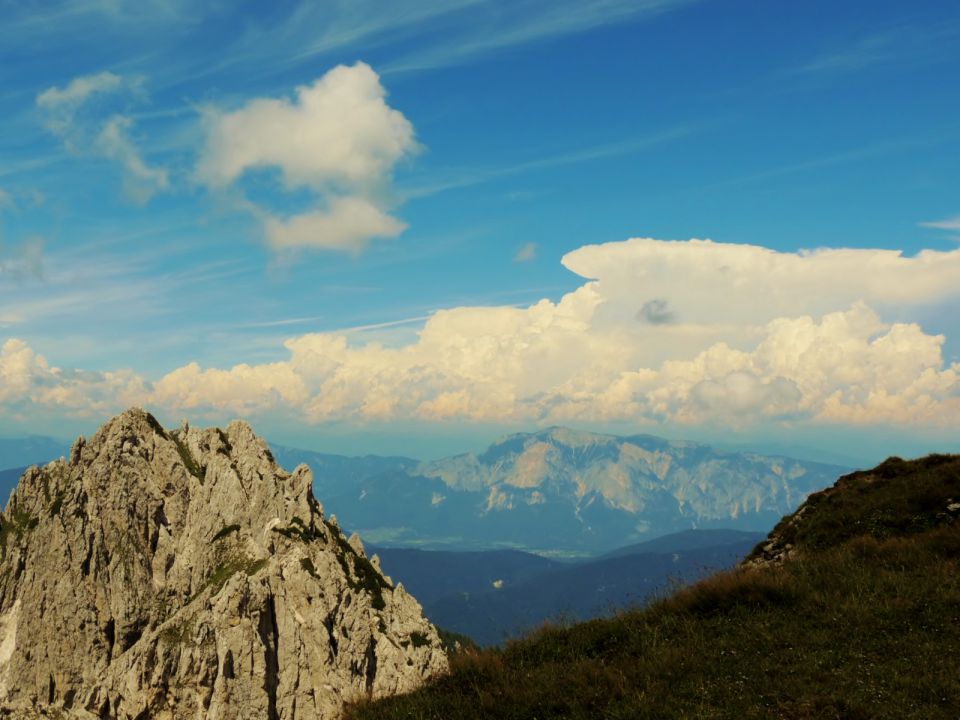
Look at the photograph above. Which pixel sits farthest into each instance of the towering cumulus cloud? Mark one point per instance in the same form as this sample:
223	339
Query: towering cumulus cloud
685	331
690	332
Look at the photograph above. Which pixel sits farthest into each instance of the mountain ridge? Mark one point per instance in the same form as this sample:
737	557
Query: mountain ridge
564	491
559	491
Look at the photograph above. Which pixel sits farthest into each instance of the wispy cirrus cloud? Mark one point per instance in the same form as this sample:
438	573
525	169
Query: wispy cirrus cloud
526	253
453	180
492	26
901	43
24	260
78	114
441	33
952	223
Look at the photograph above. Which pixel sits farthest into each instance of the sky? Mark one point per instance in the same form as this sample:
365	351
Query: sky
413	227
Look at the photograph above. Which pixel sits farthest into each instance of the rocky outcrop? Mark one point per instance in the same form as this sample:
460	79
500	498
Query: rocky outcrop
896	498
184	574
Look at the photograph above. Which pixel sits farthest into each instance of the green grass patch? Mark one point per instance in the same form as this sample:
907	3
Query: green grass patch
299	530
176	634
252	568
360	573
898	497
15	526
419	639
456	643
226	570
192	466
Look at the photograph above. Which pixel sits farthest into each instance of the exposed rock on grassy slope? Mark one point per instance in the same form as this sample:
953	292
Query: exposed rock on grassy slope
183	574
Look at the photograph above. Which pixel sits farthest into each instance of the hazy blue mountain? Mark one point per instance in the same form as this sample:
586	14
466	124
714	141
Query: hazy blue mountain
689	540
560	491
8	481
336	473
25	451
578	591
16	454
433	574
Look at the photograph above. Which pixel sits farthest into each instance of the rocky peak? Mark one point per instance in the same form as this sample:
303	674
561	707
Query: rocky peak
183	573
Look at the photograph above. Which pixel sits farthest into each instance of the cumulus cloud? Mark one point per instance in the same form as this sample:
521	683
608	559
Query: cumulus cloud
89	127
845	367
716	283
347	225
27	379
815	350
338	138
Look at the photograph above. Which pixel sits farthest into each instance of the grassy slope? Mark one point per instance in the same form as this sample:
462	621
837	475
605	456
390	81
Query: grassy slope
863	622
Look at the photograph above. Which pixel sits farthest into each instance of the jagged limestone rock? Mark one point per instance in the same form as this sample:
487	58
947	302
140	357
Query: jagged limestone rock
184	574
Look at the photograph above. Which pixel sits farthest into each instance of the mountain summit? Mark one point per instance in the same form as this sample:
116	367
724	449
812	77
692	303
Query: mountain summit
598	492
175	574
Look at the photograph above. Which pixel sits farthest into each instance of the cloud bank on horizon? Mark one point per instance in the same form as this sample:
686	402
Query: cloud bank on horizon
742	335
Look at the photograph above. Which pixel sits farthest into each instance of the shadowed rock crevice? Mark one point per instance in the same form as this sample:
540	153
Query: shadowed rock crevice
270	637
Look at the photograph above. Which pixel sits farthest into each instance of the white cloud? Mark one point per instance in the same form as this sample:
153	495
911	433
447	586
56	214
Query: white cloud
754	336
526	253
338	138
141	181
242	389
79	90
716	283
948	224
339	131
847	367
347	225
27	379
86	128
25	259
501	25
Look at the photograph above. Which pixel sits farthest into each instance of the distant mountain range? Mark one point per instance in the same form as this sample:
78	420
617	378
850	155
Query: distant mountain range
645	512
16	454
559	491
20	452
556	491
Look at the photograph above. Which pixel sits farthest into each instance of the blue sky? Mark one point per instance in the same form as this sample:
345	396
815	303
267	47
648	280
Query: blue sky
184	190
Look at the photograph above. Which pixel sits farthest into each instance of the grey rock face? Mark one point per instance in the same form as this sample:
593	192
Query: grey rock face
185	574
